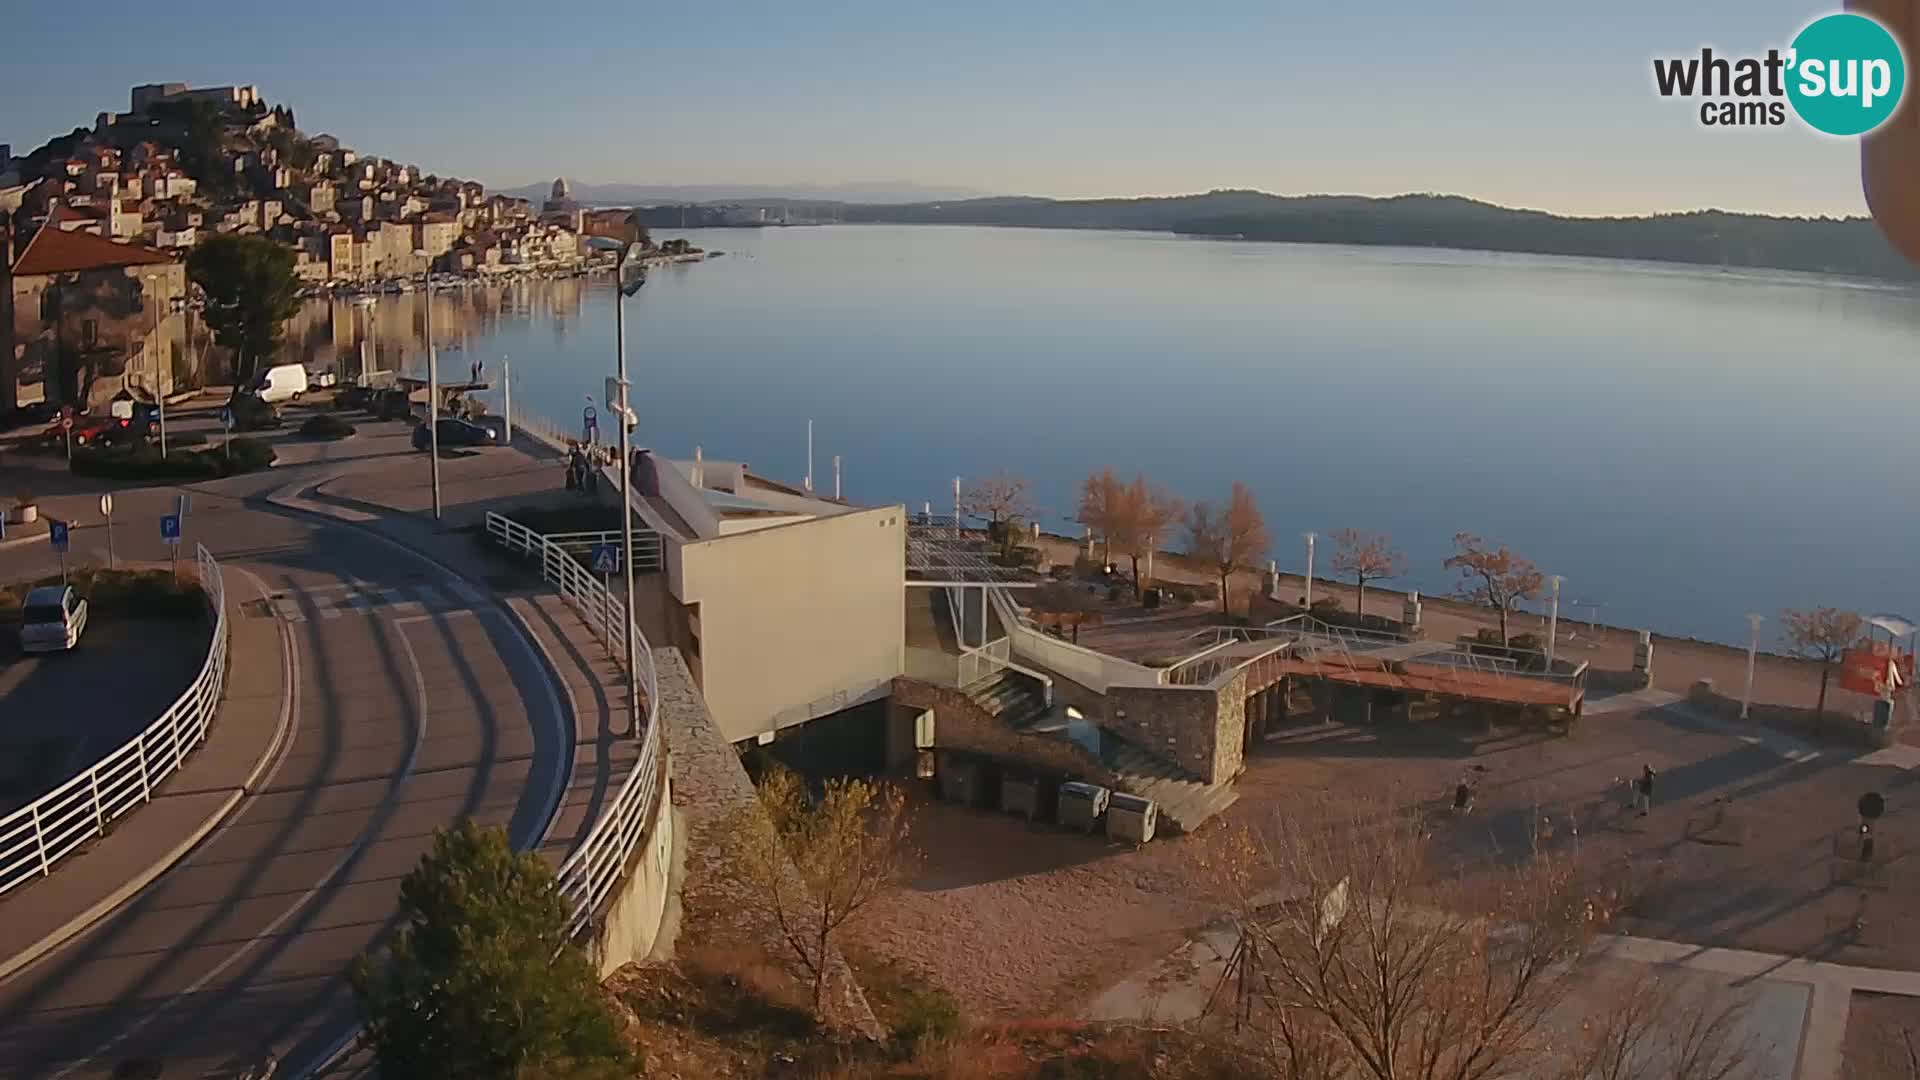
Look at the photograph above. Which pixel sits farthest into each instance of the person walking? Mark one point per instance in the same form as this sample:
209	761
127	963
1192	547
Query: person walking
1646	790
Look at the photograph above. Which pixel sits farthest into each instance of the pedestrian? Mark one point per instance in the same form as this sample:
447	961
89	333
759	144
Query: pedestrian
573	466
1463	797
1646	790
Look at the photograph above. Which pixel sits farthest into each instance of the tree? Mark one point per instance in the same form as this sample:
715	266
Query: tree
481	980
1002	500
1822	635
1382	964
1492	576
1146	516
250	294
812	866
1102	508
1365	556
1231	541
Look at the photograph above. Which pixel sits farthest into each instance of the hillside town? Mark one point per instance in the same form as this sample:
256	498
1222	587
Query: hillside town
183	163
96	225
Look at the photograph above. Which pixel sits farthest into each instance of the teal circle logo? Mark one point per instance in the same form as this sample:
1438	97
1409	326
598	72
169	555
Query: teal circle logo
1846	74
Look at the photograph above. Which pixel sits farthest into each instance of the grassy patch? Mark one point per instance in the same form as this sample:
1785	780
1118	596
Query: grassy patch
117	592
142	461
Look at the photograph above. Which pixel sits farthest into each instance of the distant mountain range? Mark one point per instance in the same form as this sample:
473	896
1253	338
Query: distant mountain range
1851	246
872	192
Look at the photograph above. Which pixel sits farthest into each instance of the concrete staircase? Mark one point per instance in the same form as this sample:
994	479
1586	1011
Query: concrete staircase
1185	802
1017	700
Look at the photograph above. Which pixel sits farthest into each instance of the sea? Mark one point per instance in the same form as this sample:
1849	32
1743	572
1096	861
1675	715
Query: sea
1683	445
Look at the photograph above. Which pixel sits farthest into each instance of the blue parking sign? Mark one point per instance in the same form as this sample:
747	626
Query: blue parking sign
606	558
57	532
170	528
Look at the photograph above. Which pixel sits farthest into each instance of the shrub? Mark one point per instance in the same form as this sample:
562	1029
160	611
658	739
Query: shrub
926	1017
110	592
187	438
143	462
326	426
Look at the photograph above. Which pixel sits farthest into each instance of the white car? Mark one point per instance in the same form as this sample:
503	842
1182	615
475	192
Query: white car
53	619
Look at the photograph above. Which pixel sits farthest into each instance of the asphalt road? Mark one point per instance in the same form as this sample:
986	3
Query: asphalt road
417	702
65	711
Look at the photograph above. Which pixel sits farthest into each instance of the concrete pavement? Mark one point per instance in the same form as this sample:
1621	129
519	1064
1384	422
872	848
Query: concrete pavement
414	701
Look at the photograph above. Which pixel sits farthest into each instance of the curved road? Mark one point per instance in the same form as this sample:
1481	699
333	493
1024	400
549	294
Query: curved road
416	701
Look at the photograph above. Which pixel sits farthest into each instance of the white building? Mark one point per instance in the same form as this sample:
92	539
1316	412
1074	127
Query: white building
787	606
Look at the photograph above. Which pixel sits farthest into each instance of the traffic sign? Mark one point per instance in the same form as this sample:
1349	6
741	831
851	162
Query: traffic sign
226	417
66	422
57	533
606	558
106	506
170	529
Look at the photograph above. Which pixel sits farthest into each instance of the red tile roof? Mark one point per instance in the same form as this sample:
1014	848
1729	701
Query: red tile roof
54	251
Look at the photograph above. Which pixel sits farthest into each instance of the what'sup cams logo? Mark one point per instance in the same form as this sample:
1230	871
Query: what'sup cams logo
1843	75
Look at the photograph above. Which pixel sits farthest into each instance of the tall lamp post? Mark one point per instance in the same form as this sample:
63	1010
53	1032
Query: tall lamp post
433	404
1309	597
624	414
1553	622
1753	647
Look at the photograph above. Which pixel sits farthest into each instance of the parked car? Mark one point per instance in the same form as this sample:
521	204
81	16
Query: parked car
454	432
140	423
53	619
86	430
281	382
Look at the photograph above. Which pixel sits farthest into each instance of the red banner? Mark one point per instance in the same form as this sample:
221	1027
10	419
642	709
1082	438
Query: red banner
1875	669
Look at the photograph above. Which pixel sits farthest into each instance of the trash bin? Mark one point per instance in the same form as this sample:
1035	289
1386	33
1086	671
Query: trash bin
1082	804
959	780
1150	599
1020	795
1131	817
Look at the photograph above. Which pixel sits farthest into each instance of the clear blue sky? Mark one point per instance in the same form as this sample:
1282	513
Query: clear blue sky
1524	103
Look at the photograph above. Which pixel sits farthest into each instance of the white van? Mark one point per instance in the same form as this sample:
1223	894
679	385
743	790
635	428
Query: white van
281	382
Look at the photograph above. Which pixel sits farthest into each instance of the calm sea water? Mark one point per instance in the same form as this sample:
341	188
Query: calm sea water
1682	445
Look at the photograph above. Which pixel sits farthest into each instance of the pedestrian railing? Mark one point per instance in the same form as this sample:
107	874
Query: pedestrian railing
647	554
594	868
34	838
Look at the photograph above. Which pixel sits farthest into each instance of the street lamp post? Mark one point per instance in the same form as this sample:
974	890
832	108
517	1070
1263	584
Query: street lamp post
623	414
1310	539
1553	622
1753	647
433	404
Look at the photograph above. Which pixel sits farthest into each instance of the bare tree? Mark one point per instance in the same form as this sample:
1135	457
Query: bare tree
1365	556
1147	516
1658	1029
1376	962
1822	635
1231	541
1103	507
820	864
1002	500
1493	576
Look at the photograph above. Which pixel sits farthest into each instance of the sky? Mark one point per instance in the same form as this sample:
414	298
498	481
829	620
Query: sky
1542	105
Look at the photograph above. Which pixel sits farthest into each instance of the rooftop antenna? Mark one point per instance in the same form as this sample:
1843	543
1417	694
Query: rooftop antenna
836	478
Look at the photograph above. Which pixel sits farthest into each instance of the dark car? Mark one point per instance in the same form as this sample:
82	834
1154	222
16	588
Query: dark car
454	433
141	426
252	414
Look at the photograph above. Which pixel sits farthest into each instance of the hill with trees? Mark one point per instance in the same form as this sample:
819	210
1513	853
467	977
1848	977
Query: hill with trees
1823	245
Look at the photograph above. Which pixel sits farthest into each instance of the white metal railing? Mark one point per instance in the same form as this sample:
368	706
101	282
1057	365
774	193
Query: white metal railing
647	551
40	834
593	869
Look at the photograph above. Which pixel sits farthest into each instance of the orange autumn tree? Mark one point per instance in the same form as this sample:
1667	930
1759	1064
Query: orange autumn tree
1231	540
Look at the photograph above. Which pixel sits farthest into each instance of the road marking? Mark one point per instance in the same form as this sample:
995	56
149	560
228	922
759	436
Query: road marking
273	928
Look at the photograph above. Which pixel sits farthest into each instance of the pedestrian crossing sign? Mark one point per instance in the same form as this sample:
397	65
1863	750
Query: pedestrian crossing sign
606	558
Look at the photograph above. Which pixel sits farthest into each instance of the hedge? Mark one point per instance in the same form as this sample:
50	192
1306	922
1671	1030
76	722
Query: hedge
143	462
326	426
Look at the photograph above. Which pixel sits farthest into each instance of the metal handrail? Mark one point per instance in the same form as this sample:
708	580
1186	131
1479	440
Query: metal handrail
648	551
37	836
592	870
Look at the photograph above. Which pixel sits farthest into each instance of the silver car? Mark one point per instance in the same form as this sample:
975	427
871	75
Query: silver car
53	619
